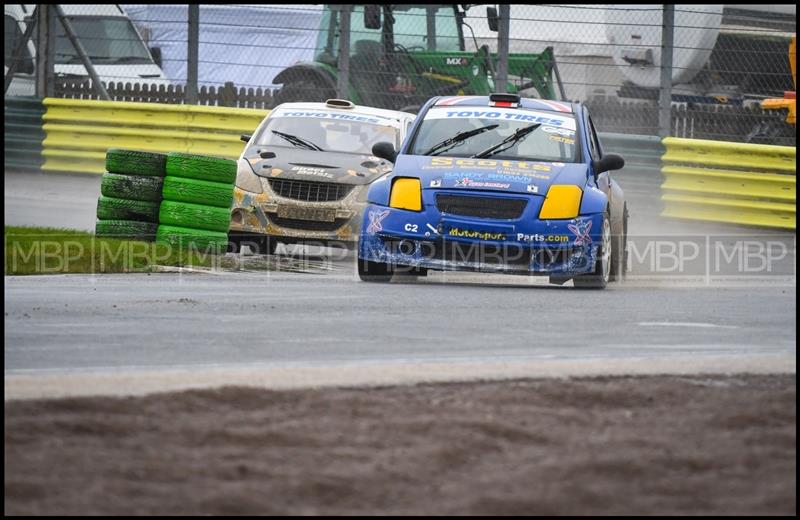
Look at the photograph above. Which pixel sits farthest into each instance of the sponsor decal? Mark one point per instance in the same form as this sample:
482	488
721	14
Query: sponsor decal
557	130
536	237
327	115
532	188
469	114
581	230
436	183
561	139
523	168
483	235
275	172
466	182
503	114
456	61
496	177
314	172
375	221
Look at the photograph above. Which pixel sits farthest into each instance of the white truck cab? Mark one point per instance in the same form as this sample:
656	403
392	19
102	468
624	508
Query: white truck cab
114	45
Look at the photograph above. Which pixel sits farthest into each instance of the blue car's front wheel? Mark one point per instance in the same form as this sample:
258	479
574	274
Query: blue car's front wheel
599	278
374	271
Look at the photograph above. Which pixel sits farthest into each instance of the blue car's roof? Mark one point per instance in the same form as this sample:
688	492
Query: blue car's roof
483	101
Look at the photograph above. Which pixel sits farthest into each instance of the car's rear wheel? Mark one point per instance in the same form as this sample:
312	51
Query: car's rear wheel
601	276
374	271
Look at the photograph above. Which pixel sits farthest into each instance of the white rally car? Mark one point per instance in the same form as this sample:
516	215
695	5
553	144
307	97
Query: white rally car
304	174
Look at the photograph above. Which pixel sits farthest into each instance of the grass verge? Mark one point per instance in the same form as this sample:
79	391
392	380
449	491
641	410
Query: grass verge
37	250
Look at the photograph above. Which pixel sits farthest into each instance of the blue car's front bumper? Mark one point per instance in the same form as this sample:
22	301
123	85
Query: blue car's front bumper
434	240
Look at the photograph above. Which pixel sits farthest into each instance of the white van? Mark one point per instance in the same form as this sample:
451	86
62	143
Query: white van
115	47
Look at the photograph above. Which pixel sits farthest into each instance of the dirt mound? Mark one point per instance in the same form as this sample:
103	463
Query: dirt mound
666	445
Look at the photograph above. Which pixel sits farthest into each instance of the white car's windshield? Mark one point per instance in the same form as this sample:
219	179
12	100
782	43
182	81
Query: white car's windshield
498	133
326	130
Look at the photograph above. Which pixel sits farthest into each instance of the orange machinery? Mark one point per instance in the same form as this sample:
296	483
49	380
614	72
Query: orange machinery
789	99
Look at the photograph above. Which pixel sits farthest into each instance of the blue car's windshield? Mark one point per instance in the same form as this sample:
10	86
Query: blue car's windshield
540	135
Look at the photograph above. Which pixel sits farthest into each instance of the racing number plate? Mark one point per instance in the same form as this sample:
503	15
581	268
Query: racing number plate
316	214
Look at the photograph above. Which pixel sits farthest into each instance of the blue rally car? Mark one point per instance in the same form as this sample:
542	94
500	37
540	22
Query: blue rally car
497	184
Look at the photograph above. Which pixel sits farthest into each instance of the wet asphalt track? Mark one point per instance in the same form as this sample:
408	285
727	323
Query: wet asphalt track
239	318
176	320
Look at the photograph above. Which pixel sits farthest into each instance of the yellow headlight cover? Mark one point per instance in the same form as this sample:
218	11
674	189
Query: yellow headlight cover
406	194
563	201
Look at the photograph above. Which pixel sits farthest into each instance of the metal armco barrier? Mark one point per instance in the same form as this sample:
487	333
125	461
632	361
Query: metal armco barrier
79	131
737	183
642	152
23	133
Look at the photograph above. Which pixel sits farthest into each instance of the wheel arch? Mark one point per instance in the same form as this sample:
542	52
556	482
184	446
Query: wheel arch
593	201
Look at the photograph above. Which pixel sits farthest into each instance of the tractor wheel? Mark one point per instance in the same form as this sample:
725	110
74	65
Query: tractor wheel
311	90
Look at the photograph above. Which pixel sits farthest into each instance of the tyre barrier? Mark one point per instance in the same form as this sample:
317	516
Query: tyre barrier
198	216
130	195
109	208
736	183
134	187
200	167
126	229
193	191
197	197
178	199
135	162
209	241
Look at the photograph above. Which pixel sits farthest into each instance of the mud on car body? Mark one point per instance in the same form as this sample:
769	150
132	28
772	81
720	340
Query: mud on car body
497	184
304	173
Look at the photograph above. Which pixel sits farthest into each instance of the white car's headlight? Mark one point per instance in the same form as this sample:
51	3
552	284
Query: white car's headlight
246	179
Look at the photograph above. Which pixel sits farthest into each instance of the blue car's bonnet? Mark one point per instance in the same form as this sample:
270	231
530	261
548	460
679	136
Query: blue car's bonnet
490	174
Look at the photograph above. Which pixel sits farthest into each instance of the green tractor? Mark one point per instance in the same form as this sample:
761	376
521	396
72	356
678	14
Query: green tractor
402	55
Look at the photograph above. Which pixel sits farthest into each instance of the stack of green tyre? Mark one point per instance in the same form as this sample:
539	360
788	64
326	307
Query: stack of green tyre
130	197
197	193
